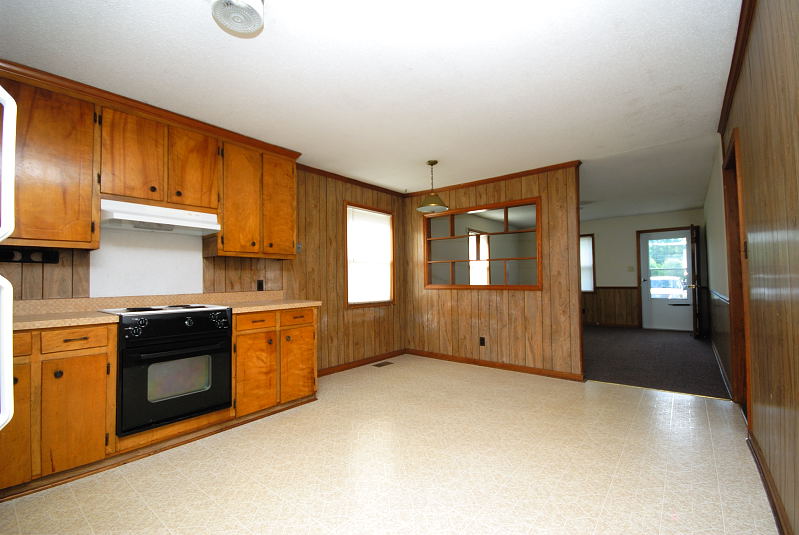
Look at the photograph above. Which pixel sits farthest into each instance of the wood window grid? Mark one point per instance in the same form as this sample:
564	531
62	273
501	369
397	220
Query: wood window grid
428	263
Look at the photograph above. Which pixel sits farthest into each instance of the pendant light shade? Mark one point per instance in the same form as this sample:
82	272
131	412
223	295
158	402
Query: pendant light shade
431	203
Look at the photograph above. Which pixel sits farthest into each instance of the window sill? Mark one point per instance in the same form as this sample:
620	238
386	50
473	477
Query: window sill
370	304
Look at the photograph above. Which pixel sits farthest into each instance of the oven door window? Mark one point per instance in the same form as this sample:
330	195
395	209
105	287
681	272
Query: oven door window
176	378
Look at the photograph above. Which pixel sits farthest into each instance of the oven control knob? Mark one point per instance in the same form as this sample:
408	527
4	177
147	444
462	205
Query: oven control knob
133	331
143	322
189	322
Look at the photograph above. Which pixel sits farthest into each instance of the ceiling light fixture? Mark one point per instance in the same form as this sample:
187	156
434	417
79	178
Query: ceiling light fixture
431	202
242	18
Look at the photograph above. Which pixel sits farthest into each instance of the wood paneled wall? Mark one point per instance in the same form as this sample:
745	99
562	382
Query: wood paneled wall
68	278
232	274
720	333
346	335
531	329
765	109
612	306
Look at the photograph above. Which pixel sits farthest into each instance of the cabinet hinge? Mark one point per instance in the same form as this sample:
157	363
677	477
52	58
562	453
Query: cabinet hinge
92	226
234	348
234	403
108	368
94	118
106	439
100	119
99	178
222	152
746	249
222	239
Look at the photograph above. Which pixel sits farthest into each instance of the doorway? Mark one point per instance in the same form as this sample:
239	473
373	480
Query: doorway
666	260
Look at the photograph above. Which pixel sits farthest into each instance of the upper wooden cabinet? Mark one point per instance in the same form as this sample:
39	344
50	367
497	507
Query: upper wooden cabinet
56	198
133	156
259	206
193	163
241	208
280	205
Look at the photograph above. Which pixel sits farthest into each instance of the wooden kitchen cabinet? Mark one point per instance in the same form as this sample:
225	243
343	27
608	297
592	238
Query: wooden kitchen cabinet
57	202
15	438
133	156
297	363
193	168
279	205
256	371
241	200
73	412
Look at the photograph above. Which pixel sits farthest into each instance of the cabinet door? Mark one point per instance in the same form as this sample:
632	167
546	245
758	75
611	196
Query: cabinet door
241	200
55	154
15	438
280	205
297	363
193	168
73	412
256	372
133	156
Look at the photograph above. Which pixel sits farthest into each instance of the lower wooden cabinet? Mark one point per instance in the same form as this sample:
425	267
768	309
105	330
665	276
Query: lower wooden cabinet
297	363
275	358
73	411
15	438
256	372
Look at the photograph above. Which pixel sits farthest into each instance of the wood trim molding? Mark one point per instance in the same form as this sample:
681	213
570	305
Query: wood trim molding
499	365
347	180
101	97
741	40
777	507
358	363
719	295
555	167
724	378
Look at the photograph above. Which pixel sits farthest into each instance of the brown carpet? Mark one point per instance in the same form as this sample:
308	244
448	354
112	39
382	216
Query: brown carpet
665	360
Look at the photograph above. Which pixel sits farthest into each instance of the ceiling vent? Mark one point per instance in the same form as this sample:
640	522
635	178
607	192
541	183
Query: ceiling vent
242	18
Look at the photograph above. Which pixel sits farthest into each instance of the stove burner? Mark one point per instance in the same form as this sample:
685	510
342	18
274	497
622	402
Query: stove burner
186	306
140	309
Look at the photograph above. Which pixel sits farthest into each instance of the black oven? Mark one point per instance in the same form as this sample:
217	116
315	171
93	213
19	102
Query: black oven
172	366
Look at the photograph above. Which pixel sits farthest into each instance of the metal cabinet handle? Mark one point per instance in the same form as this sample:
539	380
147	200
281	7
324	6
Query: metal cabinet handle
298	317
179	193
16	380
58	374
153	188
270	245
252	243
257	321
67	340
269	341
288	339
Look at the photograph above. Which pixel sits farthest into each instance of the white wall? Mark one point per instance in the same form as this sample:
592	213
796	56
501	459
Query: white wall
615	242
715	229
140	262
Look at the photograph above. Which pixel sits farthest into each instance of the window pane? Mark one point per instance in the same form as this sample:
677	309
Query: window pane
587	263
668	268
516	245
454	249
369	256
439	227
497	273
522	272
521	217
480	221
462	273
440	273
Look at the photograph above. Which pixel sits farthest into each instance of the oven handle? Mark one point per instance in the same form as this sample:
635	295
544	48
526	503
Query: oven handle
176	352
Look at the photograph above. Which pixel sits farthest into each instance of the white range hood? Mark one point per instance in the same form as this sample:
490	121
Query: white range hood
132	216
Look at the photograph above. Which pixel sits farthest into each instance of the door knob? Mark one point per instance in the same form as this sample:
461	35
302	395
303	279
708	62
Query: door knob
691	286
288	339
58	374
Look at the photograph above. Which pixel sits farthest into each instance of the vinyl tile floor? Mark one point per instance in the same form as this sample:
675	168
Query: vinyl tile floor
426	446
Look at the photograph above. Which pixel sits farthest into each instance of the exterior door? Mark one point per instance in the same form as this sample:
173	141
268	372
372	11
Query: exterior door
667	280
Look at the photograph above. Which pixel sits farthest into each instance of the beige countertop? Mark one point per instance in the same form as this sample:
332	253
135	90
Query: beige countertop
23	322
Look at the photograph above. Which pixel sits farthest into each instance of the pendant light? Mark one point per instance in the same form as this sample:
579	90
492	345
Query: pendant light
431	202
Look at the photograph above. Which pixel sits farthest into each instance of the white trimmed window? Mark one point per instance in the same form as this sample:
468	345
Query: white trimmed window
370	258
587	263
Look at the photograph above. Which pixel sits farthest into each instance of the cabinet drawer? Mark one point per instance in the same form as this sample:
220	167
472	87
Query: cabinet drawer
69	339
296	317
255	320
22	344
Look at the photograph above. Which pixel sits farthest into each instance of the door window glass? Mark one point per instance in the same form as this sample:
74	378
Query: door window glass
174	378
668	268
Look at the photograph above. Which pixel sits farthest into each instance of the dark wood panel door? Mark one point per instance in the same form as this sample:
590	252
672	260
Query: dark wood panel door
15	438
73	412
241	200
193	177
297	363
133	156
280	205
256	372
54	158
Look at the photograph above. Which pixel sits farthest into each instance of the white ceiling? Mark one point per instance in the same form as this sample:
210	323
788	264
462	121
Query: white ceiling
372	89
